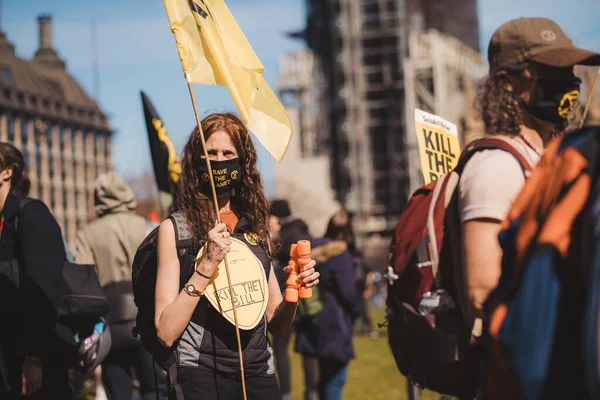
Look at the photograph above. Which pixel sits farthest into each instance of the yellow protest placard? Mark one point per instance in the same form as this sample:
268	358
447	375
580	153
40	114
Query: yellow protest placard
249	283
439	147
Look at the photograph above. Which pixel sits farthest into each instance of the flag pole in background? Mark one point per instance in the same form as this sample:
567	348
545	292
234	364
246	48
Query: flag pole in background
214	51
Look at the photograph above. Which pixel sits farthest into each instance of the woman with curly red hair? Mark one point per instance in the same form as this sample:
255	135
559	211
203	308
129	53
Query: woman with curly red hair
207	355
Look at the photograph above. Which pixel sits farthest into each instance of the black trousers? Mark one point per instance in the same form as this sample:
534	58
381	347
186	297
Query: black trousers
118	369
199	384
282	363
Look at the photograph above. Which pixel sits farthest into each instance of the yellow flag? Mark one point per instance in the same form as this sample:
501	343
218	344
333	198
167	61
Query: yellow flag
213	50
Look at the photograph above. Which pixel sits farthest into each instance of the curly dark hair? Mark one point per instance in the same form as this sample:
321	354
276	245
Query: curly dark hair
195	199
499	107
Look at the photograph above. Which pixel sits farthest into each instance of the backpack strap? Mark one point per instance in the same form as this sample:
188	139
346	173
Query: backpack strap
492	144
174	387
432	237
184	241
183	233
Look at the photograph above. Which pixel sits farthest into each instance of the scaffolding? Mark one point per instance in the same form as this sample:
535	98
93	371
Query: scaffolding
302	177
299	84
361	48
441	74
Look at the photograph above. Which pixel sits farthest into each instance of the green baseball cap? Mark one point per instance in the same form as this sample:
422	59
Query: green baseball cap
535	39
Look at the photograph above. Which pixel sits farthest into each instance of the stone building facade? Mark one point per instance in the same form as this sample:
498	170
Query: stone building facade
61	130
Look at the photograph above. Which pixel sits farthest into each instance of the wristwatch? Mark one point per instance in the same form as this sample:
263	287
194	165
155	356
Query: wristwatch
192	291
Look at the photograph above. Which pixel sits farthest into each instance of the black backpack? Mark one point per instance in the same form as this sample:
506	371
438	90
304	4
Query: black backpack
82	308
144	283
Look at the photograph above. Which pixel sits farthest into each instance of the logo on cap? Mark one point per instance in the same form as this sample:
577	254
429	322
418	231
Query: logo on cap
548	36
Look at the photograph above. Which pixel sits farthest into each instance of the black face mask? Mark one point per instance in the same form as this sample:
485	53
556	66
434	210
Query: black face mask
226	175
552	100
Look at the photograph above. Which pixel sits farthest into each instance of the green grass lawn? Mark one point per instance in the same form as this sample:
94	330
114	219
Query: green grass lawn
373	374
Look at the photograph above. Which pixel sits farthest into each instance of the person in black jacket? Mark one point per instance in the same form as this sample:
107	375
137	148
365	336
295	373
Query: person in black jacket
30	347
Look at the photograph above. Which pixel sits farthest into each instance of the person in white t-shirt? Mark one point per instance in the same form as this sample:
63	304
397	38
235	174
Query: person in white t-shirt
526	100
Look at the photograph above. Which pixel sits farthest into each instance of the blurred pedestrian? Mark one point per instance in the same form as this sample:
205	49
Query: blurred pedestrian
340	304
34	251
526	100
290	230
110	242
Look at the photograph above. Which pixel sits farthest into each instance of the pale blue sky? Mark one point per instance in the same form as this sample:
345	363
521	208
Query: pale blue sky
137	52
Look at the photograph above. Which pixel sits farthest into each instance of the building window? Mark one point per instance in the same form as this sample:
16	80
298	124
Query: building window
381	186
371	8
6	76
56	87
52	164
373	59
10	121
64	199
26	156
39	166
375	77
372	42
65	140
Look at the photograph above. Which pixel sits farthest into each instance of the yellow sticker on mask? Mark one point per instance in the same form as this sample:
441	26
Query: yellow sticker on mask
567	103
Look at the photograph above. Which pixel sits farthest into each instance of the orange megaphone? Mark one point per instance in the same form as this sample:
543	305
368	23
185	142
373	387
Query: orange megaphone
302	260
299	258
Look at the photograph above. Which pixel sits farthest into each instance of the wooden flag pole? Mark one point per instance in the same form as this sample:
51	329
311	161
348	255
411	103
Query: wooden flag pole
214	193
590	98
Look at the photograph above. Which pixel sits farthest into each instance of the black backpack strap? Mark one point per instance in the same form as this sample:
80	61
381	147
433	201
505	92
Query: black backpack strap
183	233
185	245
174	392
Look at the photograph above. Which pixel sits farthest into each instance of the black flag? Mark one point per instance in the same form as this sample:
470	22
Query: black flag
164	157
